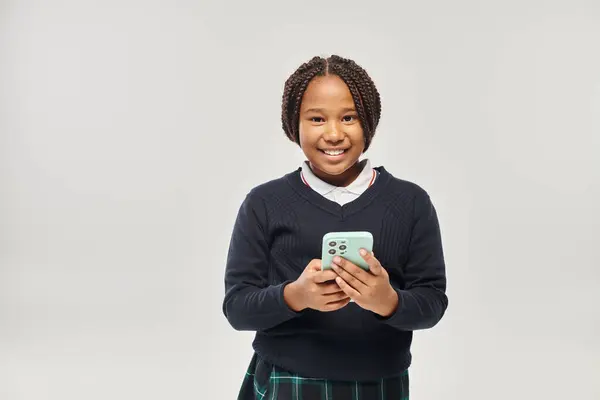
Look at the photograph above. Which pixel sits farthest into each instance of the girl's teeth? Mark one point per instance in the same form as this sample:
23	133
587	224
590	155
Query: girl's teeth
334	153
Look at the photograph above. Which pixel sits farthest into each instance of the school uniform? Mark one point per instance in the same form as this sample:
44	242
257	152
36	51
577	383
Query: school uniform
351	353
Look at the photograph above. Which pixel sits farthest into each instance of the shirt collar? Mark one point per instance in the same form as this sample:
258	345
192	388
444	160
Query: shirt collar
358	186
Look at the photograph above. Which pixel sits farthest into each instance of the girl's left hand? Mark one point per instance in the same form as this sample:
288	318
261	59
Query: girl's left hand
371	289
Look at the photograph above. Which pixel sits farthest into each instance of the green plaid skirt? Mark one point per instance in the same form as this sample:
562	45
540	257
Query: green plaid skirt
264	381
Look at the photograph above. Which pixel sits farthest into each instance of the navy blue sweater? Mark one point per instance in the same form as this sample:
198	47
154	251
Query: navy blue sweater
279	230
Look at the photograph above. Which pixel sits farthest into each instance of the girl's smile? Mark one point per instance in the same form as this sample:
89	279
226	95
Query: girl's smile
334	154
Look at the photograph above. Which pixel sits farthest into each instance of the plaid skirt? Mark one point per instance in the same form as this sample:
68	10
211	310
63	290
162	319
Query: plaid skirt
265	381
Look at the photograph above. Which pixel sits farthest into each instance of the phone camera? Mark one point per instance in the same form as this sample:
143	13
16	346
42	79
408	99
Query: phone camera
343	247
332	244
332	251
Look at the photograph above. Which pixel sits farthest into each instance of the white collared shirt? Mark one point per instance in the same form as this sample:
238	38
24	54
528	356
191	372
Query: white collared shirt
340	194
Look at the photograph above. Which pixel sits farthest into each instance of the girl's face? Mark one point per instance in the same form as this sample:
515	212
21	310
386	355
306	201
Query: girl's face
330	133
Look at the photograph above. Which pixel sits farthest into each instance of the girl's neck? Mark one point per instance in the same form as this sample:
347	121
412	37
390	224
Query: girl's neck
342	180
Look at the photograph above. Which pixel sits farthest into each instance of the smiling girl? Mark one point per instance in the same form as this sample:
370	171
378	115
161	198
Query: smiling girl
340	333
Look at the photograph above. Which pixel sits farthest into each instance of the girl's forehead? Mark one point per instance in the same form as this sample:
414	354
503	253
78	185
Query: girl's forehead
330	89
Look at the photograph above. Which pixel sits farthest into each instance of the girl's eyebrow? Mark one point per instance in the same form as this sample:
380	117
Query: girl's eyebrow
320	110
315	110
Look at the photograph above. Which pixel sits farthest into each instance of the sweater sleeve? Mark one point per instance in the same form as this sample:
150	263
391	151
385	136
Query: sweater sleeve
250	303
423	301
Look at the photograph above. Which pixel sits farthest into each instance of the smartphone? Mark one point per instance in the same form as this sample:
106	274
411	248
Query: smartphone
347	246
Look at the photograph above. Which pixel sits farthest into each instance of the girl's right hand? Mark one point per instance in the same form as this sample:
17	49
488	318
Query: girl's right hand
315	289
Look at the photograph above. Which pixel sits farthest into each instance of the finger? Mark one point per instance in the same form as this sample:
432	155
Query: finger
334	297
314	265
350	279
324	276
374	265
329	288
355	271
336	305
349	290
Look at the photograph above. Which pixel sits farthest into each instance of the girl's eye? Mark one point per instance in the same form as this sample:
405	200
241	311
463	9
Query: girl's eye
316	119
349	118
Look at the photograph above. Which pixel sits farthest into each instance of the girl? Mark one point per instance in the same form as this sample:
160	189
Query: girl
339	333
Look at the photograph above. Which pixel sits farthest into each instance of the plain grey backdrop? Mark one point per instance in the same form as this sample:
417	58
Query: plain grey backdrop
131	131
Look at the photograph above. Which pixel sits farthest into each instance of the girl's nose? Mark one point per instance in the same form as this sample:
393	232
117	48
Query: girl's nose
333	133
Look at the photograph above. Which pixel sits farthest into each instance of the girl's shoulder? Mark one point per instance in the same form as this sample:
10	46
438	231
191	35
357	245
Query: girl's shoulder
278	187
401	186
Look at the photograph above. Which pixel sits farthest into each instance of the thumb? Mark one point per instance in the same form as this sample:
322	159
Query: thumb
376	269
314	265
374	264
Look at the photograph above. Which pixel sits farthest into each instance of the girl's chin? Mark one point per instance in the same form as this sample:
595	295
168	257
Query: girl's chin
332	170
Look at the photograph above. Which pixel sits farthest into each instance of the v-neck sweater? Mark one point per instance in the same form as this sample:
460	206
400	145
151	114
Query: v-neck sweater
279	230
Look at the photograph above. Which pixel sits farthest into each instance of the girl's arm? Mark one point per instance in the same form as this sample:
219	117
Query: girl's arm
423	301
250	303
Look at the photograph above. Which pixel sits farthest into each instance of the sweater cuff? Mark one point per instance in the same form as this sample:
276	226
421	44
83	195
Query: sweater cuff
397	314
283	305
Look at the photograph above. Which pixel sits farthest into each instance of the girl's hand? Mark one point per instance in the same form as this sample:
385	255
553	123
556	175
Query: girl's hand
315	289
371	289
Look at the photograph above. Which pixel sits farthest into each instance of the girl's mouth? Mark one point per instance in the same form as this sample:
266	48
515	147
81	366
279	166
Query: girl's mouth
334	153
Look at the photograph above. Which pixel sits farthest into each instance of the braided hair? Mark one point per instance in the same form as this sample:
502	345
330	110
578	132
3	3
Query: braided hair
364	93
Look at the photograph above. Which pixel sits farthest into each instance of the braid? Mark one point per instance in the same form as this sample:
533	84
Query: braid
364	93
292	94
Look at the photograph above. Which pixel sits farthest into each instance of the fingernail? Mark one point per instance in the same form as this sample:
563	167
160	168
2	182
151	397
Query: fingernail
363	252
337	259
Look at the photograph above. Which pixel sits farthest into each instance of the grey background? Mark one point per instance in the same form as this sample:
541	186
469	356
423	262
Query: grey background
130	132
